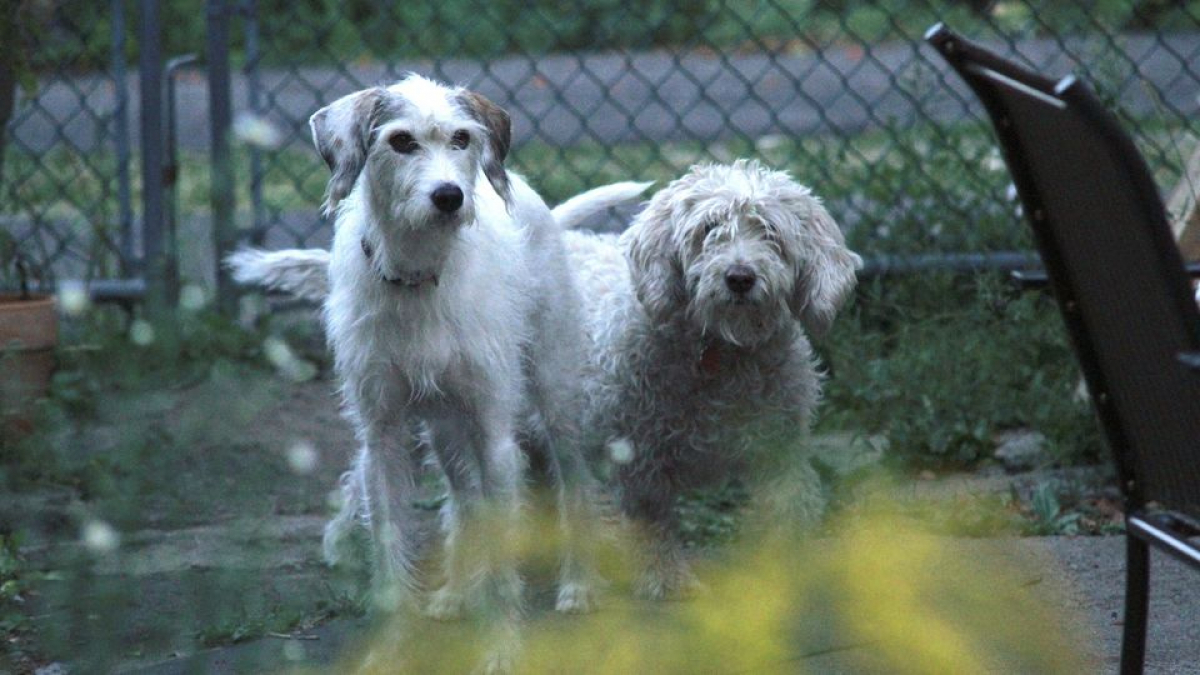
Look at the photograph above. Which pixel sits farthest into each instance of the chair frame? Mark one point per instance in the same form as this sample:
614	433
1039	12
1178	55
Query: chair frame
1147	523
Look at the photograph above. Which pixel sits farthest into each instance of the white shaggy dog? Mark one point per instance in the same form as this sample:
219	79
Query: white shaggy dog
451	312
700	369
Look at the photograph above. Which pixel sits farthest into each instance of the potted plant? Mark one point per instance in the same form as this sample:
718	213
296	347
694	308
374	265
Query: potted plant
28	337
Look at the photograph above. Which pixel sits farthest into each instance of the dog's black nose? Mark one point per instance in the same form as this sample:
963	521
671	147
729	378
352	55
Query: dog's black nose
740	278
447	197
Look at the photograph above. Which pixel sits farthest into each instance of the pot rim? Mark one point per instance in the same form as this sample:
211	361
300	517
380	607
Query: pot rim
13	299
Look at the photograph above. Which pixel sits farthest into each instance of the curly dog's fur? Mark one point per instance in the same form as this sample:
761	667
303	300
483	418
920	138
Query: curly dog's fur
700	367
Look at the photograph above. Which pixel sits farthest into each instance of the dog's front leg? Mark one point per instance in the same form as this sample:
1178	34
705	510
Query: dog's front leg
452	443
787	496
350	511
575	496
664	571
501	591
499	516
577	577
388	472
482	469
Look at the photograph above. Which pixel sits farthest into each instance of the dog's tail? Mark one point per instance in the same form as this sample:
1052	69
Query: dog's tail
577	209
302	272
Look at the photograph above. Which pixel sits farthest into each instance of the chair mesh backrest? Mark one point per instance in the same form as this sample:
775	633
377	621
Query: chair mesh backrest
1103	234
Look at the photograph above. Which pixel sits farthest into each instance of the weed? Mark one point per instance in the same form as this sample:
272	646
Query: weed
1047	515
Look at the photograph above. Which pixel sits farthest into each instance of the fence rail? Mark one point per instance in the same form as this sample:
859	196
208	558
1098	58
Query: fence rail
841	92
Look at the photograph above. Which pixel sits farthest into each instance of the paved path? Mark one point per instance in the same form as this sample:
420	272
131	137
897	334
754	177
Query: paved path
658	96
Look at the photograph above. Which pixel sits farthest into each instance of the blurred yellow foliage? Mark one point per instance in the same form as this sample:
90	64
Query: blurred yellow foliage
880	597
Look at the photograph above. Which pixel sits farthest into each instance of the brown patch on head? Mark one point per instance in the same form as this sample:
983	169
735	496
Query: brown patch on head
342	132
499	128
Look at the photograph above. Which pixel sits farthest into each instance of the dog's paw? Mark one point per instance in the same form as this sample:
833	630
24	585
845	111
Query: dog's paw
499	662
576	598
500	658
446	604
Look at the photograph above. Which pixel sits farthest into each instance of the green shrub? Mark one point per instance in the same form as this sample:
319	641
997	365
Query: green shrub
941	365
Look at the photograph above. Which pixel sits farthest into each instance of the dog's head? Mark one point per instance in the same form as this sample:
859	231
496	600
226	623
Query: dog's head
416	149
738	249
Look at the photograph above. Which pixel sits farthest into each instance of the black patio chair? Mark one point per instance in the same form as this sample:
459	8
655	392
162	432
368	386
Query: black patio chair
1112	263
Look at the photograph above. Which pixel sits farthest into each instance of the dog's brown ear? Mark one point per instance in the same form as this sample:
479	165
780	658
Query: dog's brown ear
342	133
827	271
499	128
654	263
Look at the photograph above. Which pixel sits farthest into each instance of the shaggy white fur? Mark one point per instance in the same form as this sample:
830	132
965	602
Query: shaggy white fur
699	368
452	317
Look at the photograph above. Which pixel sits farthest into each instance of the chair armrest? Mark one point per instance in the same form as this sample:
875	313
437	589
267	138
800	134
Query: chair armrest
1189	359
1036	278
1029	279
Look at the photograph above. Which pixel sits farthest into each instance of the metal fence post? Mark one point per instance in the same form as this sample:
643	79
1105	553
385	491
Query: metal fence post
121	136
171	166
258	230
221	118
150	63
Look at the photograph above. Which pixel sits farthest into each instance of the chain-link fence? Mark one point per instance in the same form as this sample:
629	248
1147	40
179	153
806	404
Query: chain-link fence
841	92
66	194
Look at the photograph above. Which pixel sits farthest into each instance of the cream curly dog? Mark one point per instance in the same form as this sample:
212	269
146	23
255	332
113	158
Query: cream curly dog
701	368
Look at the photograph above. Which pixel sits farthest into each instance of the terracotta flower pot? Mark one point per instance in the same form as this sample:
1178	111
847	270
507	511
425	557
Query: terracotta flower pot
28	336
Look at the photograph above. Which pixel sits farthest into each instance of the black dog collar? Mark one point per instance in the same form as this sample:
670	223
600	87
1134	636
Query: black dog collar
413	280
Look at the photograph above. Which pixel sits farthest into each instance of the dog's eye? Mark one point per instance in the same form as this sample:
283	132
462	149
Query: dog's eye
460	139
403	142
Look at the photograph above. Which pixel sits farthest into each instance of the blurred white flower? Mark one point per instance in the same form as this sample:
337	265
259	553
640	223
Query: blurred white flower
302	457
254	130
620	451
994	162
770	142
250	307
286	362
73	297
1008	10
192	298
100	537
720	152
141	333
